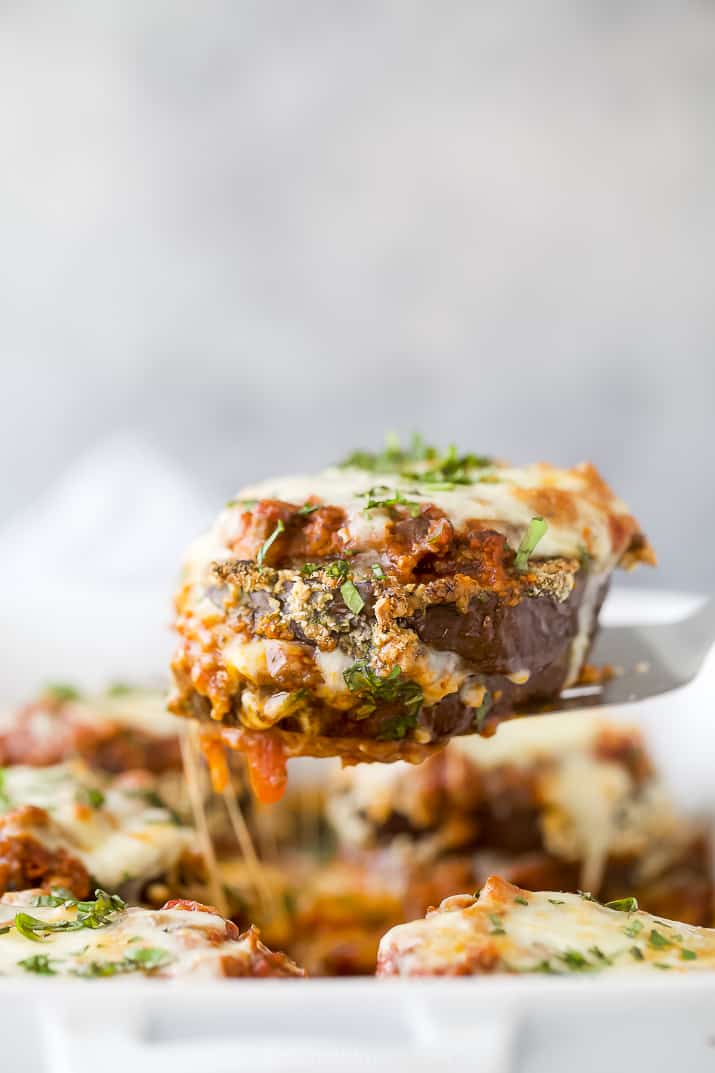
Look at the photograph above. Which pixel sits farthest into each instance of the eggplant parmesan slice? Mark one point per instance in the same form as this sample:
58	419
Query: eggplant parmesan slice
512	930
57	935
567	803
59	825
122	729
380	608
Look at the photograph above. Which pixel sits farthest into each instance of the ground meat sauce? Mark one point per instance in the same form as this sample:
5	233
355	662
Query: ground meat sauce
26	863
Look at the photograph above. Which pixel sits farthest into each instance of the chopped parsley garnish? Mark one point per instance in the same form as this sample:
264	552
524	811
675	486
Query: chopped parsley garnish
353	599
280	528
61	691
90	914
633	929
249	504
338	568
687	955
143	959
89	795
58	896
450	470
378	572
308	508
520	901
420	462
376	498
575	961
658	941
556	901
624	905
307	569
532	536
482	712
39	963
497	925
392	689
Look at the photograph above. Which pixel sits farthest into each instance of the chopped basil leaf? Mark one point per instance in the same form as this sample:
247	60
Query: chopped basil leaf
438	472
97	913
89	795
280	528
308	508
576	961
599	955
688	955
5	930
660	965
58	896
353	599
520	901
624	905
307	569
637	953
148	958
378	572
392	689
633	929
143	959
532	536
497	923
557	901
658	941
376	499
39	963
587	896
338	568
249	504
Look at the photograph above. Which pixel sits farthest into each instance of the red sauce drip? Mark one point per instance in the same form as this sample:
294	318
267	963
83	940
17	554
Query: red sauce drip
267	767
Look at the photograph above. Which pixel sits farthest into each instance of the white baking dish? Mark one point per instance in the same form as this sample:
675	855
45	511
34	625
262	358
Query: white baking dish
489	1025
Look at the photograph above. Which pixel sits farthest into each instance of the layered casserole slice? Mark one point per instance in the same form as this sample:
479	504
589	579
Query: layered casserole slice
380	608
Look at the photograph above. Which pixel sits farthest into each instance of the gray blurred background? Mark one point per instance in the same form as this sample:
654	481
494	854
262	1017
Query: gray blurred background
257	235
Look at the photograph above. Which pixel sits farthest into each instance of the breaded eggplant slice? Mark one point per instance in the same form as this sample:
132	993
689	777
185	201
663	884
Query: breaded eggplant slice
378	609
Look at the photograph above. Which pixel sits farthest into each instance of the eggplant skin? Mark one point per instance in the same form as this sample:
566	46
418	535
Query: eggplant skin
498	637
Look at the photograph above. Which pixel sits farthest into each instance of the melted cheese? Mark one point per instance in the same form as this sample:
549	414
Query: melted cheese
503	503
123	838
192	943
553	932
590	806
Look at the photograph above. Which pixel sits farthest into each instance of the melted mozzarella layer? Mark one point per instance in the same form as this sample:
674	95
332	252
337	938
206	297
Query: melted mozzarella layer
512	930
122	837
503	501
183	943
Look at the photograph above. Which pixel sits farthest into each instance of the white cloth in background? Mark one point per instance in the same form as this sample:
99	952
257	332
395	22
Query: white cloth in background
88	571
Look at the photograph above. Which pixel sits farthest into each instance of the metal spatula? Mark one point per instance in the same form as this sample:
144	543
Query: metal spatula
649	660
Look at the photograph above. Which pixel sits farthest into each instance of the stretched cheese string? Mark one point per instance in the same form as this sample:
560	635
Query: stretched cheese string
245	842
190	756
